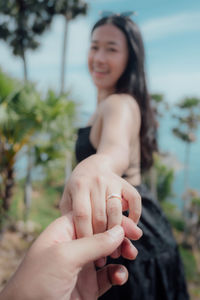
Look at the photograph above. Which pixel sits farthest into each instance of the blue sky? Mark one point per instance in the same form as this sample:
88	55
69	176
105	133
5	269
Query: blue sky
171	32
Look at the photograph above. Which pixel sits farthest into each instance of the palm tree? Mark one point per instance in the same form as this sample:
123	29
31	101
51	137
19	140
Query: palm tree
69	9
21	23
159	106
17	123
188	121
29	121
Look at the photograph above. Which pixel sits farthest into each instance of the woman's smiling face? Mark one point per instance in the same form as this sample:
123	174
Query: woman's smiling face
108	56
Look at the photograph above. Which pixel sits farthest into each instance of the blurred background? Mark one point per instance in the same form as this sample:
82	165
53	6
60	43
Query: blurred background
46	94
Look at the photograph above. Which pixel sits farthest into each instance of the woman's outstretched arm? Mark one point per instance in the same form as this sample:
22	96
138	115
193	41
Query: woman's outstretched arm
98	176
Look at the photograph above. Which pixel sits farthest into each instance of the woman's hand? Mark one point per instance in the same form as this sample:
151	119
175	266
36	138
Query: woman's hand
87	195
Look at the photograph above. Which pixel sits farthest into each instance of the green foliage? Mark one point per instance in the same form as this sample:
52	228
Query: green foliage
22	21
190	264
159	104
70	9
188	119
157	98
189	103
44	208
43	124
193	217
7	85
45	205
173	215
57	134
196	201
184	136
21	115
165	177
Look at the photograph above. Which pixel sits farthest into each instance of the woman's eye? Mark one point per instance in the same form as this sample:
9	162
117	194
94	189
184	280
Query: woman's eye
112	50
93	47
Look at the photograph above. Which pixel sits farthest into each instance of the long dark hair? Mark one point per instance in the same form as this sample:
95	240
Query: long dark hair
133	82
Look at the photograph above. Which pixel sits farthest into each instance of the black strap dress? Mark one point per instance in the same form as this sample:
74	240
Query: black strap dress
157	272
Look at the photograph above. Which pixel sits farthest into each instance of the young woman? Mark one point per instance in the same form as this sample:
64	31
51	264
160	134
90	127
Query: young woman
112	151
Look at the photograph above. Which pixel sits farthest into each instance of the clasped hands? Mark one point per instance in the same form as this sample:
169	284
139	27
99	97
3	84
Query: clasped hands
87	195
60	263
58	266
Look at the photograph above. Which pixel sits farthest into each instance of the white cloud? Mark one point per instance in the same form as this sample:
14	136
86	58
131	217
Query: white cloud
174	24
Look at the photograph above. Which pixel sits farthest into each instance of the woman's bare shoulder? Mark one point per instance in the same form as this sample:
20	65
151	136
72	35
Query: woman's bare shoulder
121	102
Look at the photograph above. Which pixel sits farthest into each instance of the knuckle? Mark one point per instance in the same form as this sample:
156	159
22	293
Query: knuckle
113	208
81	214
100	219
77	183
137	214
99	180
139	204
137	196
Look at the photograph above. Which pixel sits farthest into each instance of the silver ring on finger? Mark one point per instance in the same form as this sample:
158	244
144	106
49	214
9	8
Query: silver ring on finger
110	196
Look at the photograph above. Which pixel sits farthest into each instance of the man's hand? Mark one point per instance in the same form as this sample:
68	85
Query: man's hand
58	266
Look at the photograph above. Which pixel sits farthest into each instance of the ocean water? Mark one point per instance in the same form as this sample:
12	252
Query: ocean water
169	143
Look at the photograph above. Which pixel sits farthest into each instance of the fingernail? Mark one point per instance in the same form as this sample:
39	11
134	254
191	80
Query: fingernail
140	231
116	231
101	262
121	273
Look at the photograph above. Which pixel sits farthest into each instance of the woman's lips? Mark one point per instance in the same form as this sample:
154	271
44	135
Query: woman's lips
100	73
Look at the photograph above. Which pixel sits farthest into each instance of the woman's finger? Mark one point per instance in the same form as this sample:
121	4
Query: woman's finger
82	213
65	204
99	216
128	251
98	204
131	230
113	206
114	211
131	195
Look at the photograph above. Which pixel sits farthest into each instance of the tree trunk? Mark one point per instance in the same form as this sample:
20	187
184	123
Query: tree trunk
62	81
25	67
28	186
9	183
186	199
6	196
187	156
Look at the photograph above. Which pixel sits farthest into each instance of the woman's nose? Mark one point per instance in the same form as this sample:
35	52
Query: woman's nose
100	56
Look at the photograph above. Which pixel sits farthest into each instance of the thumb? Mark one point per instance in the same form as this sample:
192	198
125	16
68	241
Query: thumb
89	249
